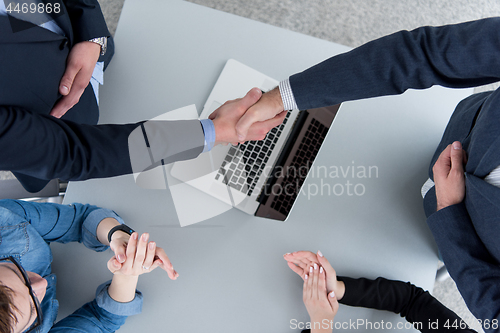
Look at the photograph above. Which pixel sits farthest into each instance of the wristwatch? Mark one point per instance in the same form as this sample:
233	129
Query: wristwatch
122	227
103	41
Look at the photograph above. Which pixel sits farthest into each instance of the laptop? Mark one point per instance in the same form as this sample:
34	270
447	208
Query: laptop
261	178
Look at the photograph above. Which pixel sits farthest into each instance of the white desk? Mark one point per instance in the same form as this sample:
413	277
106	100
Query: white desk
232	274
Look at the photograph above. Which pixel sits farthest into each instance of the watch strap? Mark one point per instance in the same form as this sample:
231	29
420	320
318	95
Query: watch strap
122	227
102	41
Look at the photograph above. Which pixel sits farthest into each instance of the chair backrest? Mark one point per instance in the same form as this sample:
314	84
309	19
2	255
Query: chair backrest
12	189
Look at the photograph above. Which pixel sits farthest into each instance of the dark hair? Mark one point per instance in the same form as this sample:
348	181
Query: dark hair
7	308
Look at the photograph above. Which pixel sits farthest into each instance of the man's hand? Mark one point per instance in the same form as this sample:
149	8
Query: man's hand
301	260
79	68
120	245
228	115
268	107
322	307
449	176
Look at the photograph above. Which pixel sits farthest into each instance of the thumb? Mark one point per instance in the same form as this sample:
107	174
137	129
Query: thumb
247	120
334	303
326	264
120	253
252	97
114	265
457	157
67	79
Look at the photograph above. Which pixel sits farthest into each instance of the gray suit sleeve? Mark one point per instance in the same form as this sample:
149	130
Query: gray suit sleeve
163	142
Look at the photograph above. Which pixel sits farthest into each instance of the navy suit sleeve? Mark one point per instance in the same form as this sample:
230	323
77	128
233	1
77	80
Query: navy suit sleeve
87	19
462	55
45	147
475	271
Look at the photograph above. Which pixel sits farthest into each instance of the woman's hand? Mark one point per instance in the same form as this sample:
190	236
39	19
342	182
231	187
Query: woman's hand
322	307
300	261
120	243
140	256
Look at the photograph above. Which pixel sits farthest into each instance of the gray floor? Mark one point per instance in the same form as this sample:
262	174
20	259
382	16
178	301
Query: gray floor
352	23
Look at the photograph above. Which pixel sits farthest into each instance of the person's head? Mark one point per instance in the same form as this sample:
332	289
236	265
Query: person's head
18	308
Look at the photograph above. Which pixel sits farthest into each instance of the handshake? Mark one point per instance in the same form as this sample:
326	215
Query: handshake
248	118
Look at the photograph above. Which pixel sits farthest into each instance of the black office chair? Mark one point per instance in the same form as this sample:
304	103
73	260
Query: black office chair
12	189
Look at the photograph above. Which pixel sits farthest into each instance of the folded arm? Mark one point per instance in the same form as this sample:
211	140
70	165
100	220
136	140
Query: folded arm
87	19
469	263
413	303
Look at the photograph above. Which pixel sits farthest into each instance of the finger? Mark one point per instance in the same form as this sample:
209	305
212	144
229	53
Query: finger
140	253
315	279
252	96
301	258
305	262
165	263
457	157
308	278
296	269
334	303
326	264
250	116
119	248
150	255
81	82
156	264
160	253
443	164
305	255
259	130
114	265
321	281
131	250
68	78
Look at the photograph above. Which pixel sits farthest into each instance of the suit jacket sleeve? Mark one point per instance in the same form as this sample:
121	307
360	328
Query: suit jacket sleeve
462	55
475	271
86	19
46	147
406	299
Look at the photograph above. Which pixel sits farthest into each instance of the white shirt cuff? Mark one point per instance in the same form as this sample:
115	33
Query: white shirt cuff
287	95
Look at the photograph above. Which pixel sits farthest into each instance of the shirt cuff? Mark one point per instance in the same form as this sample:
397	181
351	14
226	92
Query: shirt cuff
209	131
90	228
104	301
287	95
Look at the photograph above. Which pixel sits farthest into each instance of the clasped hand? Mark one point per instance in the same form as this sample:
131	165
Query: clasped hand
231	113
321	290
135	255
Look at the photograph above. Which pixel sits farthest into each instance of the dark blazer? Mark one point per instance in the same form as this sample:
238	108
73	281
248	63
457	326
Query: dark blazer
38	147
463	55
37	61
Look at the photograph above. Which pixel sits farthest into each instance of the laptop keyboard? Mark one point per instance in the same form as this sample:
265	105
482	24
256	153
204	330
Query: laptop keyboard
302	161
244	163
